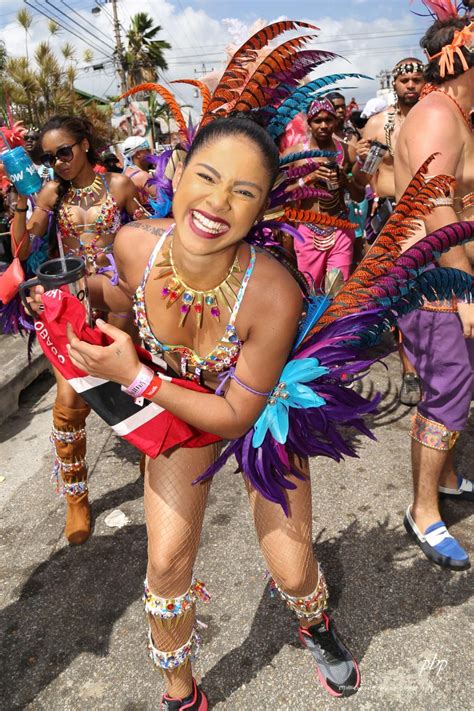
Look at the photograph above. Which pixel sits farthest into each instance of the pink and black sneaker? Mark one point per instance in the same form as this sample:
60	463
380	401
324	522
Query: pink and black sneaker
196	701
337	669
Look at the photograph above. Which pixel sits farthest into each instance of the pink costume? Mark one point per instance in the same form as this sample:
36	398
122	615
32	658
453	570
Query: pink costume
324	248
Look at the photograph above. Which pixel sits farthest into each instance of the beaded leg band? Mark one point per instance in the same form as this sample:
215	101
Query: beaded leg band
312	605
70	477
177	657
432	434
168	608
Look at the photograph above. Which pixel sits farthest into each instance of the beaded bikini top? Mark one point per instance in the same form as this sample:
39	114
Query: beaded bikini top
222	357
107	221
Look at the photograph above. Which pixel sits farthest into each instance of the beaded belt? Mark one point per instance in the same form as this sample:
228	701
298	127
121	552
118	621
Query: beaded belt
448	306
323	239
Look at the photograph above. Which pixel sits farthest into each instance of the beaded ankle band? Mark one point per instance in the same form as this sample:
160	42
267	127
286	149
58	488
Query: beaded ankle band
62	469
432	434
167	608
174	659
66	436
75	488
311	605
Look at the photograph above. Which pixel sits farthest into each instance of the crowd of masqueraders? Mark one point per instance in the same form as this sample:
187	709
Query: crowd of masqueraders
283	238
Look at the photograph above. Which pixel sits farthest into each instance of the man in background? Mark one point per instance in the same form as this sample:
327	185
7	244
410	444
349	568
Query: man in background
384	126
439	336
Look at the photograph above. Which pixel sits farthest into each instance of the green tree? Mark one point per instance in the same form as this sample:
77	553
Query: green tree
25	20
144	55
3	56
162	112
41	88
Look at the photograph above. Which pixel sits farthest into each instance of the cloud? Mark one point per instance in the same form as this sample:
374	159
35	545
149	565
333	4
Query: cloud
197	38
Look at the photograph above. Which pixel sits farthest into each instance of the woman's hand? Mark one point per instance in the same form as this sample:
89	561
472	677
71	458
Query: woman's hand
22	201
35	299
117	362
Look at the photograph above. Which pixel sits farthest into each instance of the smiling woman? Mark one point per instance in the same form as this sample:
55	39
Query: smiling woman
244	309
81	210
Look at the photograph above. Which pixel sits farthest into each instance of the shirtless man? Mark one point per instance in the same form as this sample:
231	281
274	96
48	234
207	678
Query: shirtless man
437	336
385	126
408	81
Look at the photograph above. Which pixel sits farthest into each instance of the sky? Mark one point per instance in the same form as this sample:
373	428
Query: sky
371	36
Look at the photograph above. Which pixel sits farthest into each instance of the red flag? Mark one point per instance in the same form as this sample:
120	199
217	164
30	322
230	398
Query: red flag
148	427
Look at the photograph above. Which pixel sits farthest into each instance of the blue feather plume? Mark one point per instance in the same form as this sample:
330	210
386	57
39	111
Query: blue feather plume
303	155
300	100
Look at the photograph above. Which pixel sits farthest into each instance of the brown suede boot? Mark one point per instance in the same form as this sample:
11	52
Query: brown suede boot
68	437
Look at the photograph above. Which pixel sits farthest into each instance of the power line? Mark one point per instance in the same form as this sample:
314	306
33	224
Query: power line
320	40
89	24
83	27
49	17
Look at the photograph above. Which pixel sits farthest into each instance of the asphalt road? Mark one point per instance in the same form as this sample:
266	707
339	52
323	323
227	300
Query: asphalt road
72	623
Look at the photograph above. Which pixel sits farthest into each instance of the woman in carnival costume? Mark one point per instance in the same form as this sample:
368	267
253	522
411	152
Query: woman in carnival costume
84	210
260	362
324	248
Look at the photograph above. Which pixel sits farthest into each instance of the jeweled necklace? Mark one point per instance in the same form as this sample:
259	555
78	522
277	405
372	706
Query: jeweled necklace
389	126
429	88
76	195
222	295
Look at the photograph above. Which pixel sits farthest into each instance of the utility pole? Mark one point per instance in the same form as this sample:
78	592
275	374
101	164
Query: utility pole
119	49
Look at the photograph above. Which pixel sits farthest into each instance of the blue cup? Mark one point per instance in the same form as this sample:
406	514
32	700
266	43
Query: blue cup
21	171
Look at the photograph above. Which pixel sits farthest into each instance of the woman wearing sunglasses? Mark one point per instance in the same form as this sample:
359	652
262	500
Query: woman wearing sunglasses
82	209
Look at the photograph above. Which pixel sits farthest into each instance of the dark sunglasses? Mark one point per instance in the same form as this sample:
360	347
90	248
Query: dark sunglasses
65	154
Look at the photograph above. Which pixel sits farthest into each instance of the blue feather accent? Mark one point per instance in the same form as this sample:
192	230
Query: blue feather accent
303	155
300	100
161	205
316	306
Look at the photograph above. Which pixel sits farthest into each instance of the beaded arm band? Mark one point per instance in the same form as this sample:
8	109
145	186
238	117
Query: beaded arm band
230	375
248	388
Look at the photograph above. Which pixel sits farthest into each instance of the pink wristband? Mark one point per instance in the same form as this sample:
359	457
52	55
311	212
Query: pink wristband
141	382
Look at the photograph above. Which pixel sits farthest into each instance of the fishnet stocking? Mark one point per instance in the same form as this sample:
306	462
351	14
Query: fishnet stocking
286	542
174	512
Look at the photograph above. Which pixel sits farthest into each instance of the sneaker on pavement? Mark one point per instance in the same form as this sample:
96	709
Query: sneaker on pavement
437	544
337	668
196	701
410	392
463	492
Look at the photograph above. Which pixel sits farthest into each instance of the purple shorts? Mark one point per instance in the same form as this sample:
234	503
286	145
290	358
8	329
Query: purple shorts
444	361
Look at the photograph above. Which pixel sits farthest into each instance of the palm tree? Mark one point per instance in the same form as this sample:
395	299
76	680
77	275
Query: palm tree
25	19
37	90
144	55
3	55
